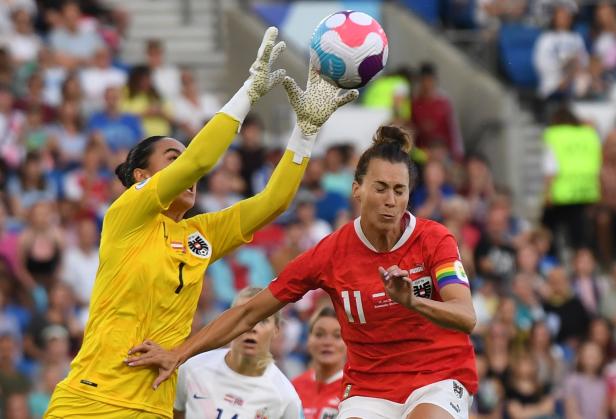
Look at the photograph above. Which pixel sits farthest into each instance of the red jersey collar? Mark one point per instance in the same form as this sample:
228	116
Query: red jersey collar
408	219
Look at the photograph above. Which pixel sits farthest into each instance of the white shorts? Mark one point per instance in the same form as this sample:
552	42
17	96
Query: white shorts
449	395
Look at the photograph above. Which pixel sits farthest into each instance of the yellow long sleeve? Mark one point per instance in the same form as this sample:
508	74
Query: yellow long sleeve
200	156
259	210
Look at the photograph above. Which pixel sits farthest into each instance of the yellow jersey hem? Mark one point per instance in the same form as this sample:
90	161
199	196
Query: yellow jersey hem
116	402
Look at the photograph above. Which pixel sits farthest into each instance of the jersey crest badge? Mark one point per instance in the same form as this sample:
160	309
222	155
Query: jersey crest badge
422	287
198	246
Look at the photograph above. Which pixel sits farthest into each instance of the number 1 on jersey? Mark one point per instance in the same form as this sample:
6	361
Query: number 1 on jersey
347	306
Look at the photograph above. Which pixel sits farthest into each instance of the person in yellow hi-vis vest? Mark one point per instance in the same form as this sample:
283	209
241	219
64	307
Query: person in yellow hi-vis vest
572	162
152	260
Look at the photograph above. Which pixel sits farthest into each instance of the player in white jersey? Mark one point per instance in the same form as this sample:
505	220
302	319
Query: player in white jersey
241	382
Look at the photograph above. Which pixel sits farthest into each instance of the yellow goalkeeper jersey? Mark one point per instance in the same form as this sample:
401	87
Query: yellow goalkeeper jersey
151	270
147	287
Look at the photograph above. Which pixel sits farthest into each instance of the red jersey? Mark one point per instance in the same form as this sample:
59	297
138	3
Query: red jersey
320	400
391	350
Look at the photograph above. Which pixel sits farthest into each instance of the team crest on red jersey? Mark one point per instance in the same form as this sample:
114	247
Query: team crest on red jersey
422	287
198	246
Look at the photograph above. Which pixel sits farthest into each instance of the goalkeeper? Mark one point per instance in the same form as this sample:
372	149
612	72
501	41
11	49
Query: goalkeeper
152	260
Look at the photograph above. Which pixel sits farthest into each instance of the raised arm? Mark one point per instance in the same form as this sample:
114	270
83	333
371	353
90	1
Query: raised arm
313	108
221	331
212	141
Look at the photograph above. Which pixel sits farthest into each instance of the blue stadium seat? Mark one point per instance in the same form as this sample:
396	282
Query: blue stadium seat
428	10
460	13
516	44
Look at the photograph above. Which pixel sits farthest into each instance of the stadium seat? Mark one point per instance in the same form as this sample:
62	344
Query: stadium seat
516	43
429	11
460	13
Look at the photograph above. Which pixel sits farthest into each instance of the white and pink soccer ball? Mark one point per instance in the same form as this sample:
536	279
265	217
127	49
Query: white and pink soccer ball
348	49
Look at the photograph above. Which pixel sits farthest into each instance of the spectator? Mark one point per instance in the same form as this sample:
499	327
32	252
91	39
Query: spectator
479	187
294	234
433	115
57	349
338	176
485	302
30	186
142	99
40	248
120	130
86	189
98	76
566	315
251	149
608	296
429	198
572	161
23	44
8	240
585	390
38	400
548	356
63	312
494	255
527	263
606	213
11	129
518	229
585	282
67	138
541	239
528	306
245	267
73	44
17	406
232	164
457	218
600	333
488	401
526	396
34	99
11	379
315	229
604	45
80	261
166	77
53	76
490	13
219	193
559	57
498	341
191	108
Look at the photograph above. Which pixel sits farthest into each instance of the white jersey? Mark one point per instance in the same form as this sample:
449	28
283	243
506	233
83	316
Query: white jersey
208	389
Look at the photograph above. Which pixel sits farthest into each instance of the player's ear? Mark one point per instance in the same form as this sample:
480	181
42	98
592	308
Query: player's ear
140	174
355	191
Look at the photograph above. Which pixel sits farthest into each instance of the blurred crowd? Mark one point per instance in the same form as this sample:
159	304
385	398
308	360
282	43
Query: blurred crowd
544	292
574	56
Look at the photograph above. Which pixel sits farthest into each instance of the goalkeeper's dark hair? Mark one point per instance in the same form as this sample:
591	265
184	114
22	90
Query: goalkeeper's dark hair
137	158
390	143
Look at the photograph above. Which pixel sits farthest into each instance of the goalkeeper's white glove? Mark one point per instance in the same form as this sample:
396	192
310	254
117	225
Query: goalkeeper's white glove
313	107
261	80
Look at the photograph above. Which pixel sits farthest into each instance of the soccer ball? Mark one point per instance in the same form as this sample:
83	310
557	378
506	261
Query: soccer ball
348	49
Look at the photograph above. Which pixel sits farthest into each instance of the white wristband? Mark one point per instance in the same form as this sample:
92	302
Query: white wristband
239	105
301	145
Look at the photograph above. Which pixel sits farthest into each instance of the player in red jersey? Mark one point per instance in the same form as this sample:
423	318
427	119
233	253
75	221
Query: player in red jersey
406	327
319	387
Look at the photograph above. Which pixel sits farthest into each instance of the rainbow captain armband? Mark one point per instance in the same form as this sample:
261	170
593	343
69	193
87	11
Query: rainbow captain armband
450	273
